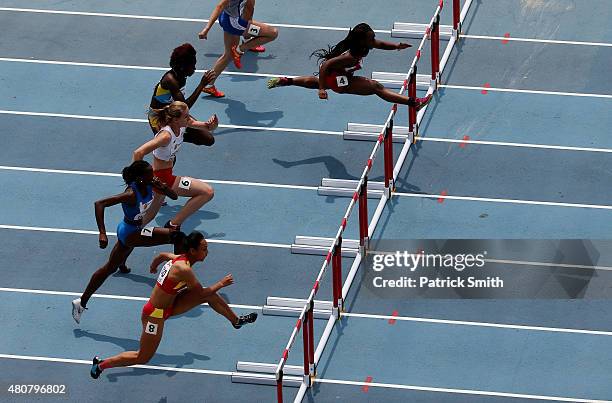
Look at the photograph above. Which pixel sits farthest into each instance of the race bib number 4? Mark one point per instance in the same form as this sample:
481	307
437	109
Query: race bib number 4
254	30
342	81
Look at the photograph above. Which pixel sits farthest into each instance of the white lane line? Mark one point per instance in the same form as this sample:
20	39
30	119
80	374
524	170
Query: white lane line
553	41
459	391
159	18
319	380
104	296
214	181
133	67
88	362
349	314
127	67
510	201
569	94
87	232
118	119
311	188
548	264
522	145
480	324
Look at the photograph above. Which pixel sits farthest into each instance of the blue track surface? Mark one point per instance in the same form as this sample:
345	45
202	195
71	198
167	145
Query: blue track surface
270	154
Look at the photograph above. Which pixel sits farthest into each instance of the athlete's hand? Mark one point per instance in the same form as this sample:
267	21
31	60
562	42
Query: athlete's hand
209	76
203	34
322	94
103	240
227	280
403	45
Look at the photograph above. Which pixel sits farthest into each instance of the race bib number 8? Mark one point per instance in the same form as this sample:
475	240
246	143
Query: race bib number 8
254	30
151	328
185	183
342	81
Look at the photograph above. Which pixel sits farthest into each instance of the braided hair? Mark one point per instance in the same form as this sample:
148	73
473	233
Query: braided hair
354	43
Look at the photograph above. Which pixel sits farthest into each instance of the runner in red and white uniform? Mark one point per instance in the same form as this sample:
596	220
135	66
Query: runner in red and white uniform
339	63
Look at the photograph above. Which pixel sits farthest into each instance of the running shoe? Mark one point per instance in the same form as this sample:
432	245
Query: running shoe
236	55
77	310
95	370
258	49
277	82
243	320
422	102
213	92
124	269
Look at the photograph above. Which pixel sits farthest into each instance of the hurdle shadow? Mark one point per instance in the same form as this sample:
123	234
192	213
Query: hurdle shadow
238	113
176	361
335	168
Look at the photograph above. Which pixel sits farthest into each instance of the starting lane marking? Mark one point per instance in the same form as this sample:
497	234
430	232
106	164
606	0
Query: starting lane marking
465	142
443	195
485	91
365	387
506	38
394	314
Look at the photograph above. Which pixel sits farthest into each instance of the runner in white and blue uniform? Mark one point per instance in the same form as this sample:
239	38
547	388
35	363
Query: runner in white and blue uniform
135	201
236	20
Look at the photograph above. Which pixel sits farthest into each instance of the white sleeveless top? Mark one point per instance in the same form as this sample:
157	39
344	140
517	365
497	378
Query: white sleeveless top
167	153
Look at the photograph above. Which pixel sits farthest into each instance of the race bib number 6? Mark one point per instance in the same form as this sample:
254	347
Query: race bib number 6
185	183
342	81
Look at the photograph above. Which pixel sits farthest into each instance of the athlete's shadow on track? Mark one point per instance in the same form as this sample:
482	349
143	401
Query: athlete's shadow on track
195	220
238	114
137	278
176	361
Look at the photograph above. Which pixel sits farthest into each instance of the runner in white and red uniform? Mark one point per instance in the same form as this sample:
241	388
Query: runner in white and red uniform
339	63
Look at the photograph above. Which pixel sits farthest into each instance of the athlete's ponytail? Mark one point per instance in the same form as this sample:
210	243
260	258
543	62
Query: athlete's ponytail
169	112
182	242
354	43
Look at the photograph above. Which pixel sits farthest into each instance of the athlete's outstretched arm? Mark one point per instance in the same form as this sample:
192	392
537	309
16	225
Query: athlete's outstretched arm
213	17
384	45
